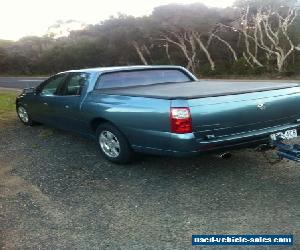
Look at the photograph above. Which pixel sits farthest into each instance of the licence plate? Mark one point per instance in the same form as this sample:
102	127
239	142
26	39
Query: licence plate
284	135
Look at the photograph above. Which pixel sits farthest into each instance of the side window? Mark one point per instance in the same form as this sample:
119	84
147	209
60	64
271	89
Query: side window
75	83
52	84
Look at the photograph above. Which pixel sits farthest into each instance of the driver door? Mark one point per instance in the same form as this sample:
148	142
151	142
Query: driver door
68	113
48	92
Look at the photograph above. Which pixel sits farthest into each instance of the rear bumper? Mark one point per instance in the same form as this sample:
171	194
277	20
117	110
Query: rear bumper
188	145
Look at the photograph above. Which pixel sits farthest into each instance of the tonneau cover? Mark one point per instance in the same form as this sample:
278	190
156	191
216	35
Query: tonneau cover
197	89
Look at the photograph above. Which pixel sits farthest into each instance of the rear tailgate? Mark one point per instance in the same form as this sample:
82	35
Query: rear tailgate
222	116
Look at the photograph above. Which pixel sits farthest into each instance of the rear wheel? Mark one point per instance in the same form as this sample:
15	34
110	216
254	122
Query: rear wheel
113	144
24	116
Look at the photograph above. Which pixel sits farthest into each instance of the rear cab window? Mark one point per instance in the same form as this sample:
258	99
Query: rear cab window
131	78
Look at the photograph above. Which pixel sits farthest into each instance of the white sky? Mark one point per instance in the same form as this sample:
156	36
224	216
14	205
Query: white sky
19	18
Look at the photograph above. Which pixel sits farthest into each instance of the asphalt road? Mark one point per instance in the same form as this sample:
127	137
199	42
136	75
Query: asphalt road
20	82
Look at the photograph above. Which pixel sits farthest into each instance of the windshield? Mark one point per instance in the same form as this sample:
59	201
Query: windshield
141	77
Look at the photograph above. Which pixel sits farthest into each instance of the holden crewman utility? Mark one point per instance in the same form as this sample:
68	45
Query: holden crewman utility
163	110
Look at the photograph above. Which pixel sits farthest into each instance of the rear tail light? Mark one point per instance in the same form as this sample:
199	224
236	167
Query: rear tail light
181	120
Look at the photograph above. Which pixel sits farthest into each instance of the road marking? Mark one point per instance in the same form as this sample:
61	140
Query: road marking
29	80
14	89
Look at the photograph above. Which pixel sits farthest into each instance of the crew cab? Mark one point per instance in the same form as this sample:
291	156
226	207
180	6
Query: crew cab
162	110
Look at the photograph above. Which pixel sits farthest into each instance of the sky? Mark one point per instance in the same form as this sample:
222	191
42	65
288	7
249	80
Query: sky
20	18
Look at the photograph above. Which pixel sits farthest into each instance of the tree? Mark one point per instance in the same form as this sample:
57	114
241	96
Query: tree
265	25
244	39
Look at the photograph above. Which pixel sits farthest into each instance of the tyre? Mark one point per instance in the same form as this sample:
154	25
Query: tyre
113	144
24	116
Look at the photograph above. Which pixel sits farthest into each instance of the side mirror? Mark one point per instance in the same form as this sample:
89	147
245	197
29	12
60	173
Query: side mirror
29	90
36	91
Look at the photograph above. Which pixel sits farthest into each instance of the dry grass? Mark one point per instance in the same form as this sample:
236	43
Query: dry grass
7	105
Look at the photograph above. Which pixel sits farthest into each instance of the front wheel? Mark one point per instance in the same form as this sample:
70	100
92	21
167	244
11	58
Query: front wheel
24	116
113	144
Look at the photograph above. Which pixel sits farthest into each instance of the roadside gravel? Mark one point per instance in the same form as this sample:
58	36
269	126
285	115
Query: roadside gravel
57	192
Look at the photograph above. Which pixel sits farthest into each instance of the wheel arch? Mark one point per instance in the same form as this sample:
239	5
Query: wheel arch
95	122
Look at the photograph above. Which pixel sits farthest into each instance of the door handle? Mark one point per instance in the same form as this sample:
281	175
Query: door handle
45	103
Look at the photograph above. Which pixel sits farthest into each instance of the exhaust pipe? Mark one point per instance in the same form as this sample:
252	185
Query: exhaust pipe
225	155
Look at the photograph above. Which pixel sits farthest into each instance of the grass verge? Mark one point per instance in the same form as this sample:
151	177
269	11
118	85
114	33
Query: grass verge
7	104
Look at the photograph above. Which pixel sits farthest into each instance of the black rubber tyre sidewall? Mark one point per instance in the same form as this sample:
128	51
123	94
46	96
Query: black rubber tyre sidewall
126	153
30	121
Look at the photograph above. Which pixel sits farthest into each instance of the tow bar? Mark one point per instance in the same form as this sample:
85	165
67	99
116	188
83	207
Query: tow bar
290	152
282	151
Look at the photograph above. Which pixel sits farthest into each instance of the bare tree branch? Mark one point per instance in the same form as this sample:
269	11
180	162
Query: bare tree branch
197	37
139	52
261	31
180	42
227	44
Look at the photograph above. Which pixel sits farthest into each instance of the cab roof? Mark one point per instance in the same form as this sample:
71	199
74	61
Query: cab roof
119	68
